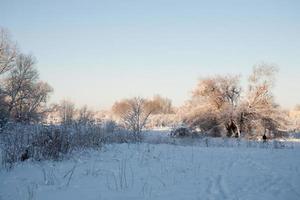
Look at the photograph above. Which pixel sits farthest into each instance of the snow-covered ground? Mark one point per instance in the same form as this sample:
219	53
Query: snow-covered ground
160	171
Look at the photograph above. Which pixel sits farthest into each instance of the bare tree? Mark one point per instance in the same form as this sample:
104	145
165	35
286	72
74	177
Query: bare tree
258	110
23	96
26	96
67	112
85	115
8	52
134	113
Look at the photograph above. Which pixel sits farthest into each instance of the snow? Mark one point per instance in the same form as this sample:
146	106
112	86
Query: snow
160	171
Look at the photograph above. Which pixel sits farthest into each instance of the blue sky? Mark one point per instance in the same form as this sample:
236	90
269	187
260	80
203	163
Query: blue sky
96	52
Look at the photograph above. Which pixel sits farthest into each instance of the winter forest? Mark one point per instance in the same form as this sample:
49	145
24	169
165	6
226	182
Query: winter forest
230	139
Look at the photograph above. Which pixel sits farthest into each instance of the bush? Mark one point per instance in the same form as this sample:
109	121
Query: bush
49	143
181	132
42	142
37	141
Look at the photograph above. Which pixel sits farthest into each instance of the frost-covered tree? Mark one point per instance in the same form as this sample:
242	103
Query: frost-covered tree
134	113
218	104
258	110
25	95
214	104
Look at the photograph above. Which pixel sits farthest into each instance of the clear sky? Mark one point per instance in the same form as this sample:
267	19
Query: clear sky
95	52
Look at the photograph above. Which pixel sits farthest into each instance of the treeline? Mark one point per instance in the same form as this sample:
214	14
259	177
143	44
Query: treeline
219	105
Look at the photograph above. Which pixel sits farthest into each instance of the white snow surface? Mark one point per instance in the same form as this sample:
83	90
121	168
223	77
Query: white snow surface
159	171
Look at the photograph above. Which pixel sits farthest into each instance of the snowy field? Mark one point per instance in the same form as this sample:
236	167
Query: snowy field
160	171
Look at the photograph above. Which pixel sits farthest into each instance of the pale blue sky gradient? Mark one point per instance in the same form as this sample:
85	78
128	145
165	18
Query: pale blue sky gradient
96	52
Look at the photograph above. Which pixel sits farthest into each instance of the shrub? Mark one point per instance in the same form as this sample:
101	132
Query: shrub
181	132
44	142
